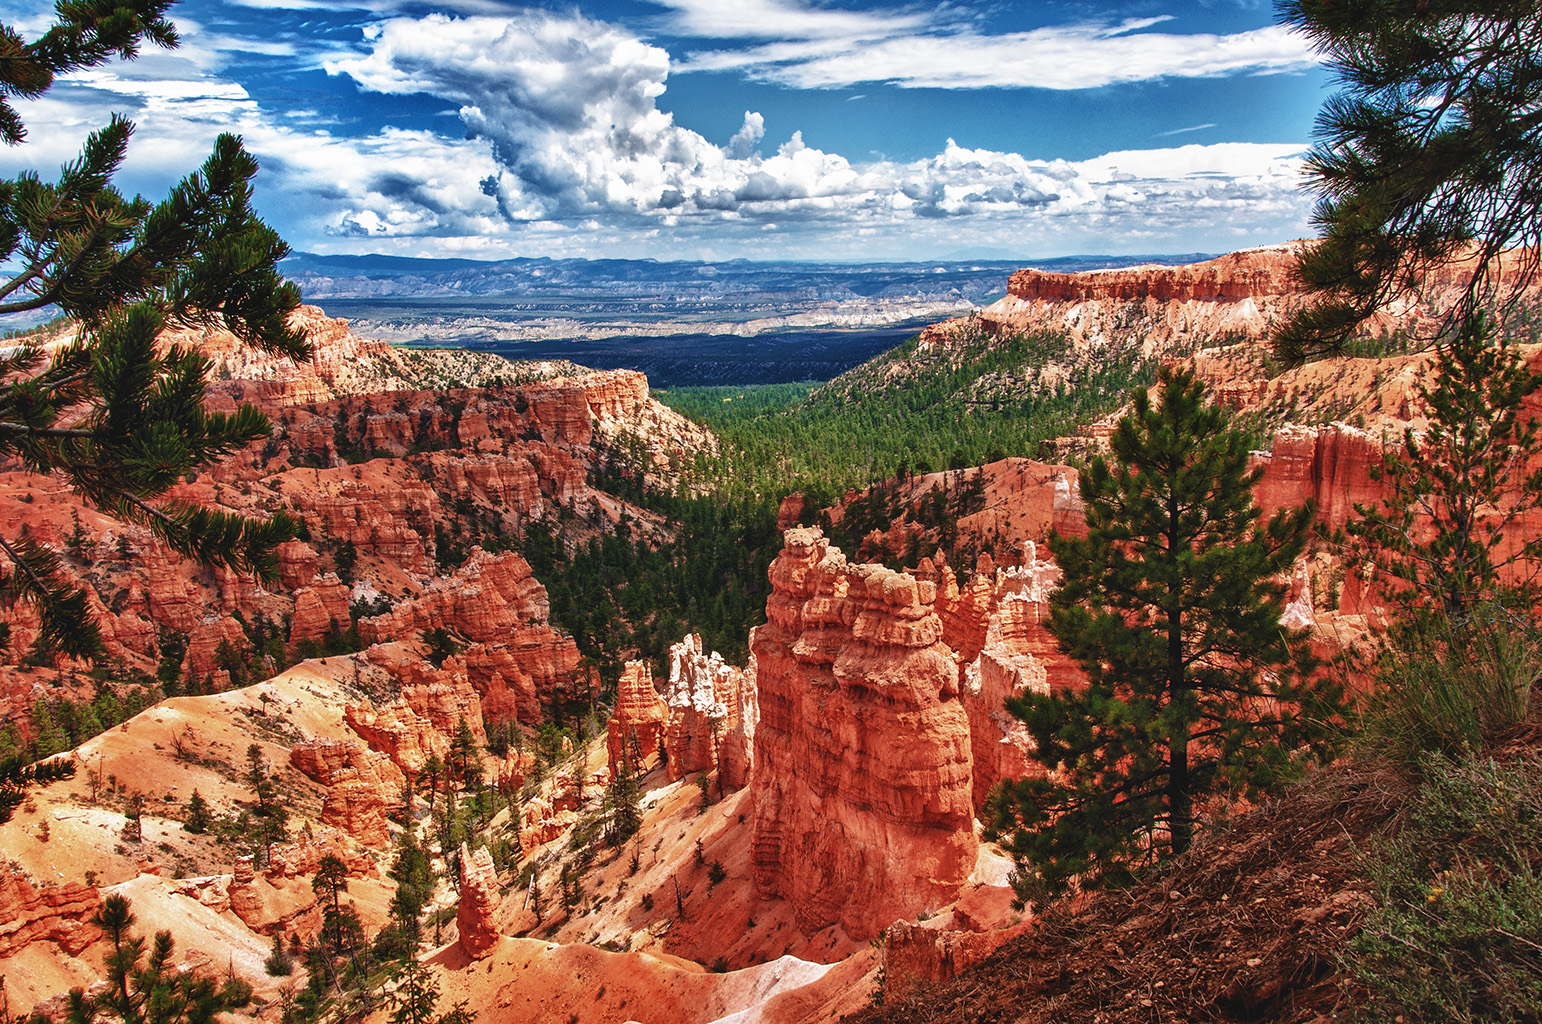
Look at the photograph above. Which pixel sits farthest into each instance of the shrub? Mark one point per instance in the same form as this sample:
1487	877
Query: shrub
1449	688
1458	932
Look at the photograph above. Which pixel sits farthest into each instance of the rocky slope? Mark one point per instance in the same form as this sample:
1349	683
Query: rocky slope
394	488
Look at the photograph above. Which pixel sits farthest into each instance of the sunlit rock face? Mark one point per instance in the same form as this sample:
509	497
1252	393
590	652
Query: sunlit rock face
636	728
711	713
862	783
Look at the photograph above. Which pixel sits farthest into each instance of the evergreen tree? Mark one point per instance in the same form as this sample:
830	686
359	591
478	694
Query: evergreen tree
623	817
330	882
413	999
118	420
133	825
413	872
465	760
198	816
1170	606
151	990
432	769
1448	536
47	736
278	963
1432	154
261	782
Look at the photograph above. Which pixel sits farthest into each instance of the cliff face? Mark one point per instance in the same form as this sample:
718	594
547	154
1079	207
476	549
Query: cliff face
394	479
862	781
1159	308
58	913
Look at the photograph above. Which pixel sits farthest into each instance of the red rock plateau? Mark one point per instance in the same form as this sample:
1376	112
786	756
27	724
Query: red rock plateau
1166	309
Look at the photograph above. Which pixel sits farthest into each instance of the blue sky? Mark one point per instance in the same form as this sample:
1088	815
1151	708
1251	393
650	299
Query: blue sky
680	129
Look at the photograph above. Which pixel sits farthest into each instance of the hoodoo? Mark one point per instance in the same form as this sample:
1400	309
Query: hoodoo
862	785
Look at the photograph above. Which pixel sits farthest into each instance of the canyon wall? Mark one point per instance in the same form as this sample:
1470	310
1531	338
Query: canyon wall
1166	309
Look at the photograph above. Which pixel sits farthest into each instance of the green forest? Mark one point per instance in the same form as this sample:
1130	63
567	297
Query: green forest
911	411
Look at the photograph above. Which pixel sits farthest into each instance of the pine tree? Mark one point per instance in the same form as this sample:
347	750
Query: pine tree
1171	607
465	760
623	816
413	872
330	882
198	816
1432	154
261	782
1447	536
118	420
151	990
412	1000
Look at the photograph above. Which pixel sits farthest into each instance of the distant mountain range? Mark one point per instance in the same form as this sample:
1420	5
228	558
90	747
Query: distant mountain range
376	276
697	322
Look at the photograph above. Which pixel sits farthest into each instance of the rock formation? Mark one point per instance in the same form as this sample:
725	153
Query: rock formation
736	747
639	717
862	782
362	785
933	951
516	661
55	913
476	912
399	733
320	609
705	697
1159	308
1329	465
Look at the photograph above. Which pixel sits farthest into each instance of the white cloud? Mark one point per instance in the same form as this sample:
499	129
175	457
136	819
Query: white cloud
566	152
775	19
568	109
1183	131
1080	56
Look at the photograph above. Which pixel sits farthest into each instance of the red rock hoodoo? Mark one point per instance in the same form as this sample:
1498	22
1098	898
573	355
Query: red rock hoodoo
639	717
475	915
706	699
862	783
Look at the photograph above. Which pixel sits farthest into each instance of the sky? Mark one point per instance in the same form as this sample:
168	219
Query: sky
716	129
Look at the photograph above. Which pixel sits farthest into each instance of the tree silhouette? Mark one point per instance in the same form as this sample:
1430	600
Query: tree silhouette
1431	155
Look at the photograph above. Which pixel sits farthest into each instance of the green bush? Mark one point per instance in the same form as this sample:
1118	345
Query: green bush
1448	688
1457	935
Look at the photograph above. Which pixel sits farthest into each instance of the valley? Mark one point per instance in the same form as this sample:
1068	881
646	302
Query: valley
681	323
613	705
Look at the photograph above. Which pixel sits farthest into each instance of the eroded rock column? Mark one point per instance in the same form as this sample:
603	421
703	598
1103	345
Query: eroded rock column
862	780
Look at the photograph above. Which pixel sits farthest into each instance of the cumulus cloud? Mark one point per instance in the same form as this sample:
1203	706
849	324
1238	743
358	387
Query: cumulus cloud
563	131
567	109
